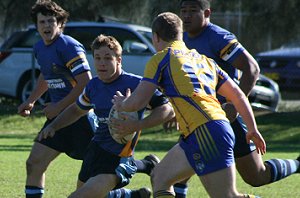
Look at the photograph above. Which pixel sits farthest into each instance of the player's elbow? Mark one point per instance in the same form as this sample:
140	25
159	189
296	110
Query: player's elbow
168	112
254	69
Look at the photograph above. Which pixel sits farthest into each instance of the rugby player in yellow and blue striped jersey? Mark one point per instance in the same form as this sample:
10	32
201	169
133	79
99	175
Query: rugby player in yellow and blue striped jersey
191	81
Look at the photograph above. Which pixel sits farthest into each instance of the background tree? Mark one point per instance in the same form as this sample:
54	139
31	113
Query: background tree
259	25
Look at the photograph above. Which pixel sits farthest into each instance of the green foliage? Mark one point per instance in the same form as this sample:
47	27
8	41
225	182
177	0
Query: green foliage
264	24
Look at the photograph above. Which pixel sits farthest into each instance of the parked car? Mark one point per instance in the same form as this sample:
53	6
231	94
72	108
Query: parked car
17	61
265	95
282	65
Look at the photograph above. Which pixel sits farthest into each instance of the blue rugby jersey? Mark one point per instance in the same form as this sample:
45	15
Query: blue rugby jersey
60	62
98	95
218	44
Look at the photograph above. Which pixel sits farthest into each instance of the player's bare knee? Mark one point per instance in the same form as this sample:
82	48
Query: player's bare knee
155	177
29	167
158	180
34	165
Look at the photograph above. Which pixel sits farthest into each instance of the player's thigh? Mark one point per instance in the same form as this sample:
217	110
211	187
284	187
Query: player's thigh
97	186
172	168
220	183
41	155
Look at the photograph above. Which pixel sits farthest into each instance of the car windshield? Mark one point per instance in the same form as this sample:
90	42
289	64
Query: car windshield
147	35
21	39
86	35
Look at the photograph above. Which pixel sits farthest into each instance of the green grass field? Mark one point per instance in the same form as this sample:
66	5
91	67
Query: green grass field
281	132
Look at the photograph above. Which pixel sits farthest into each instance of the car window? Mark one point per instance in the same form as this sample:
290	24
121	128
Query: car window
30	39
125	38
22	39
130	42
147	35
86	35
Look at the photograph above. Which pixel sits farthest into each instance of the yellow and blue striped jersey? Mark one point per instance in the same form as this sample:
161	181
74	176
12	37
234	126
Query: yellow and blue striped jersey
190	80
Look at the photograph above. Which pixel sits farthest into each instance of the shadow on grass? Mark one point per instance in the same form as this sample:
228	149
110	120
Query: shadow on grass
280	130
10	142
19	148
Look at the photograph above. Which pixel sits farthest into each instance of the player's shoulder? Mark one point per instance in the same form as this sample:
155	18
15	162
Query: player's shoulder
217	29
130	76
159	56
66	40
214	31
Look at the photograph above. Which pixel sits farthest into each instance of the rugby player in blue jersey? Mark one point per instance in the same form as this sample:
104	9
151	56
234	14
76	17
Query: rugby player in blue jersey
191	82
108	165
222	46
64	74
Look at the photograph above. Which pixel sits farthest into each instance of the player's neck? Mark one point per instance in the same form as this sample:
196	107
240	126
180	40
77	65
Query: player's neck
198	31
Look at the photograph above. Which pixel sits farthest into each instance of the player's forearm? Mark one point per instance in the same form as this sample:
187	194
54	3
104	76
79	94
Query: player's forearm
243	106
158	116
67	117
82	80
39	89
139	98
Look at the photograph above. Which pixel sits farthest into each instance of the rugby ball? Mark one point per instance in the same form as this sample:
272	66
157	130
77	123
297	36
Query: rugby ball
121	115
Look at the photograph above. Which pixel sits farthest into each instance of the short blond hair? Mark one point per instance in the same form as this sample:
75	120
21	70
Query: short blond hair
168	26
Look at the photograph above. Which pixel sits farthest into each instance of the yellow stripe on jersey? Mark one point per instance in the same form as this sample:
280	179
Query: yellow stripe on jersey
229	49
189	80
72	61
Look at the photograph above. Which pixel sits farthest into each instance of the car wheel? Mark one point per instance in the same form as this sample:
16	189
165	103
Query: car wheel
25	90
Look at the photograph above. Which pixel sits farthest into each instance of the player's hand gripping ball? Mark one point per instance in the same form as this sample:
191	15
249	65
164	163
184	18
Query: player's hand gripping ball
121	115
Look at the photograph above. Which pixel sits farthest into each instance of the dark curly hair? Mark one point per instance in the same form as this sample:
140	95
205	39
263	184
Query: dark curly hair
49	8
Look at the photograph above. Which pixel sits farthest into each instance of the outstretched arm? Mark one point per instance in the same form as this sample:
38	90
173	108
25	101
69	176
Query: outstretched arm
232	92
157	116
53	109
40	88
65	118
137	100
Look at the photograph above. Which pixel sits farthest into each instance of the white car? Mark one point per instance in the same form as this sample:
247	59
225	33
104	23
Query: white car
17	60
19	68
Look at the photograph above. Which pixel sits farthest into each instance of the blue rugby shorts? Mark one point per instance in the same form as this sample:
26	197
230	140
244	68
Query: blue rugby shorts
210	147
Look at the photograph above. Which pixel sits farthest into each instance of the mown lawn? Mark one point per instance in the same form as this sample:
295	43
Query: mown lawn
281	132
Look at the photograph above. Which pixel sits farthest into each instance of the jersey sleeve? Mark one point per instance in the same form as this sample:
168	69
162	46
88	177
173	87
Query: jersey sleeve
158	99
83	100
74	55
226	45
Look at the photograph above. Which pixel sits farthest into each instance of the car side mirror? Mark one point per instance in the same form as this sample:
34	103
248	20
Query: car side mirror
136	47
